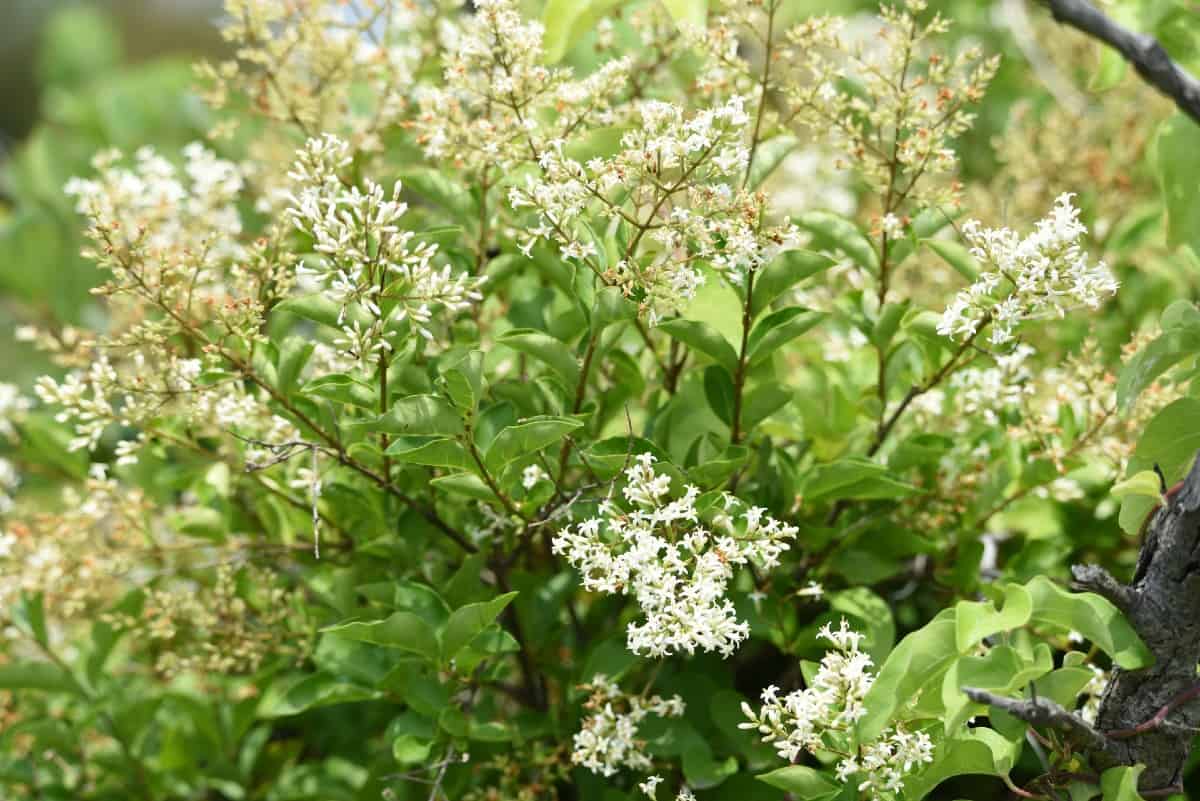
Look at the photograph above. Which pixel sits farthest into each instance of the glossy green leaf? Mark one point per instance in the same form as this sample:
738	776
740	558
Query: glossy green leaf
768	156
982	752
418	415
1093	617
703	338
779	328
976	621
403	630
1121	783
803	782
468	621
546	349
917	662
956	256
1176	144
691	13
528	437
785	271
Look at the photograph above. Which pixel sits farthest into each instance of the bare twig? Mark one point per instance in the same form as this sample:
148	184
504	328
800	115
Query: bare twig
1041	711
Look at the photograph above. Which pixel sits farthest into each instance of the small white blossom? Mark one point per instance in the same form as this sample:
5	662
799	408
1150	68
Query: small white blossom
607	740
832	703
532	475
1044	275
676	568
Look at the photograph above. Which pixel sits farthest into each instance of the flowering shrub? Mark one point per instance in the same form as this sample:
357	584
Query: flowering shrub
490	406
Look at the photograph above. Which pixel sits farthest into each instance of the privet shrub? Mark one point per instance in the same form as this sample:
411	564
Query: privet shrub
685	422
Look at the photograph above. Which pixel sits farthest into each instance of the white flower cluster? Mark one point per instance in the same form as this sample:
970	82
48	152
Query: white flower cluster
365	259
812	719
168	219
676	568
607	740
1043	274
676	183
989	392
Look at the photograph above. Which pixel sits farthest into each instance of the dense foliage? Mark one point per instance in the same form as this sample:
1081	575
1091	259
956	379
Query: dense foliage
658	399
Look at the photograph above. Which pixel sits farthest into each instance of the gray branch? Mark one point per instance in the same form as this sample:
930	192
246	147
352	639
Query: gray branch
1141	50
1042	712
1093	578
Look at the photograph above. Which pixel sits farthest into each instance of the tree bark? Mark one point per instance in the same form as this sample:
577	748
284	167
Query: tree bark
1148	716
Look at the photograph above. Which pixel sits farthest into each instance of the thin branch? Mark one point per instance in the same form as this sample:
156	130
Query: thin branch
1093	578
1141	50
1041	711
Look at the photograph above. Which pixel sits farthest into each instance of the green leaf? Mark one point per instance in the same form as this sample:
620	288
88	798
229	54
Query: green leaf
854	478
692	13
1179	340
956	256
805	783
1109	72
319	689
409	749
768	156
834	232
703	338
981	752
762	402
463	379
1093	617
318	308
611	307
566	21
1145	483
199	521
779	328
294	353
35	676
924	225
467	484
1121	783
418	415
432	452
976	621
919	661
1170	440
467	621
403	630
718	391
546	349
1176	145
526	437
875	614
785	271
342	388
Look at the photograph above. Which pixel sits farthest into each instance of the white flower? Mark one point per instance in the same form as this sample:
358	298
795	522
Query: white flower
803	719
1045	274
650	785
607	740
674	567
532	475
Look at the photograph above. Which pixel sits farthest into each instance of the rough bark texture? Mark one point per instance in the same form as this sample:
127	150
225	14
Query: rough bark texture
1148	716
1141	50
